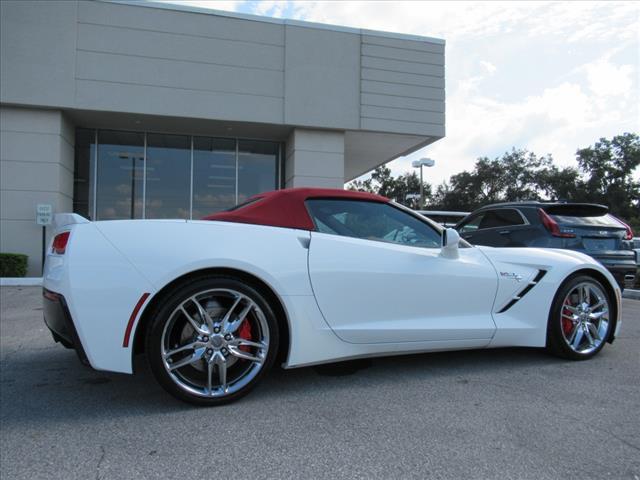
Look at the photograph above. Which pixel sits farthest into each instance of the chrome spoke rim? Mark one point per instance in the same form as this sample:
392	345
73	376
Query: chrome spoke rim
584	318
215	342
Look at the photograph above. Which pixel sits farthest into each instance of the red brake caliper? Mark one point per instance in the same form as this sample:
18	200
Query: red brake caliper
567	324
244	331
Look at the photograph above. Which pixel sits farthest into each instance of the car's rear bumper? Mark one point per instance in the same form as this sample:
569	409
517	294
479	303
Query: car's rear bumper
625	275
58	319
622	267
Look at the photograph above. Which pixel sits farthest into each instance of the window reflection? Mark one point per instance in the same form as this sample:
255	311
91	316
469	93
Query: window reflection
257	167
214	175
120	171
83	172
225	172
168	176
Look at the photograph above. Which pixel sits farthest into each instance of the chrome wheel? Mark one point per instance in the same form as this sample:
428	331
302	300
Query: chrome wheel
585	318
215	342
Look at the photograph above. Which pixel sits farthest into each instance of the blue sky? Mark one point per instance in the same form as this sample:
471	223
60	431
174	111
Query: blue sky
547	76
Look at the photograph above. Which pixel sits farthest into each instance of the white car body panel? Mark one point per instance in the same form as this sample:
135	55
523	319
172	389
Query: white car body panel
524	324
101	288
164	250
109	265
404	293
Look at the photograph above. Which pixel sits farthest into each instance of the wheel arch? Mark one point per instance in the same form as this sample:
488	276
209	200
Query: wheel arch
600	277
270	295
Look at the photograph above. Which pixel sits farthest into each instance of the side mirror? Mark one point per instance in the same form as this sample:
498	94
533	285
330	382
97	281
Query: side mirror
450	241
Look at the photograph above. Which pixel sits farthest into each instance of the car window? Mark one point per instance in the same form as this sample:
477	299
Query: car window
502	217
473	224
371	221
590	221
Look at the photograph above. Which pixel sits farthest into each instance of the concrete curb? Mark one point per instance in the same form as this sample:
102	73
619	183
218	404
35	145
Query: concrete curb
21	282
631	293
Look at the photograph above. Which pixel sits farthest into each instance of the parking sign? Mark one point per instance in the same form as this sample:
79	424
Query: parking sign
44	214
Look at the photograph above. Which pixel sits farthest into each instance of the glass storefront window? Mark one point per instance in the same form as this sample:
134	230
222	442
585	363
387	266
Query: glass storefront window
83	172
149	175
257	168
119	172
214	175
168	176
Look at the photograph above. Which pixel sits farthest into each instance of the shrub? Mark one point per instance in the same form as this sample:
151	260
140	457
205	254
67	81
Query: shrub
13	265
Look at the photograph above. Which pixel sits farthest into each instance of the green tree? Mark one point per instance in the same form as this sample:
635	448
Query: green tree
559	183
361	186
608	168
404	189
516	175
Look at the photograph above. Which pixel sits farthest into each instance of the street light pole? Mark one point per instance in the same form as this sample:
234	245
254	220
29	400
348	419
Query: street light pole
421	189
423	162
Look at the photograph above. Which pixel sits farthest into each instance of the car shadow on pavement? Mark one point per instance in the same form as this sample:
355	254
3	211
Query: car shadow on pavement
50	385
386	372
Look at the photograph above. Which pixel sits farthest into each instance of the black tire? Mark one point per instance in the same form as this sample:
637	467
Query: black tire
165	312
558	342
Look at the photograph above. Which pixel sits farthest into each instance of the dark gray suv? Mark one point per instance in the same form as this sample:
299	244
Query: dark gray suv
586	228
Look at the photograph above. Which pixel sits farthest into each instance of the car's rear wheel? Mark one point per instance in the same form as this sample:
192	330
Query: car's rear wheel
211	340
580	319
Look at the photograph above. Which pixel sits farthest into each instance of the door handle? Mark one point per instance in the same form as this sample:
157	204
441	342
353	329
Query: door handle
504	232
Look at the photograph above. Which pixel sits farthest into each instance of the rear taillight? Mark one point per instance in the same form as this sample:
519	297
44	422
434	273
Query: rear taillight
552	226
629	234
60	243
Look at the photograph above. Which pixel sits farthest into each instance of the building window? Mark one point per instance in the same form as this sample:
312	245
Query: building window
120	170
214	175
168	176
83	172
122	175
257	168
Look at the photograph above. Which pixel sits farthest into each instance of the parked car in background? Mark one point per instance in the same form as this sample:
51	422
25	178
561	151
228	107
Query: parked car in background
586	228
636	247
444	218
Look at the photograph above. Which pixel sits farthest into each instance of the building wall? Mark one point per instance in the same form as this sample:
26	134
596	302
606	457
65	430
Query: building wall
96	55
37	52
322	78
402	86
157	61
314	158
36	166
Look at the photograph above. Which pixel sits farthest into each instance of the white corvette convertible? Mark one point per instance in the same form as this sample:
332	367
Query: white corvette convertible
307	276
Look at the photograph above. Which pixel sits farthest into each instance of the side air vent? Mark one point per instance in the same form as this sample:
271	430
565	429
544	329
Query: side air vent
524	291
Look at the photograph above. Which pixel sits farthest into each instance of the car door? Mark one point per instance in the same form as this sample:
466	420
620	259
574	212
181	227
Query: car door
378	277
469	228
501	227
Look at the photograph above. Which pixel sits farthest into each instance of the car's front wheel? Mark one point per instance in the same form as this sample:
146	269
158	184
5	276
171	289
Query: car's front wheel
211	340
580	319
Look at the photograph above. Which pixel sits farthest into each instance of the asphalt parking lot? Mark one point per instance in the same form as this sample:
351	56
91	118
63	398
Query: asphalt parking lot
510	413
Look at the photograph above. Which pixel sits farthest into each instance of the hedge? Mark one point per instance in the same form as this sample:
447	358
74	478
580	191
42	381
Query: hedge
13	265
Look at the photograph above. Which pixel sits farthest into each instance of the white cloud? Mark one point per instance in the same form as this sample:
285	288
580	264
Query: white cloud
609	80
559	120
488	66
271	8
226	5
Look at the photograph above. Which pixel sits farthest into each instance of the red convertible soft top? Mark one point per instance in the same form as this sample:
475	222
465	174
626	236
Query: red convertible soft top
285	208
